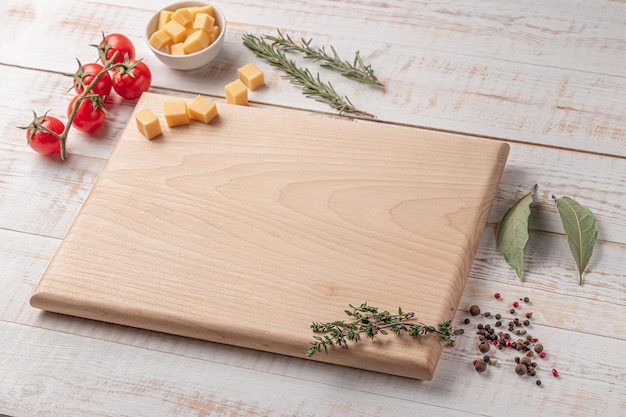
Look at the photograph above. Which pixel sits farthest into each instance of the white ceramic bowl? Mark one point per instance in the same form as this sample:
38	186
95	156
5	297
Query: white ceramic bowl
197	59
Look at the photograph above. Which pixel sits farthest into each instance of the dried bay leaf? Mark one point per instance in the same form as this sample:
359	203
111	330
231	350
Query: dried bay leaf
512	233
581	230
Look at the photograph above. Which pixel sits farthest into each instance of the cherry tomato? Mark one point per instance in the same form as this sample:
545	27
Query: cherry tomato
132	86
88	117
87	73
43	142
116	42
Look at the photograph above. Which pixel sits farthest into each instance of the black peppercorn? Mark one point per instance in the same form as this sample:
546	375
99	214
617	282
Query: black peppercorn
498	324
526	300
479	326
526	323
466	321
512	311
538	382
529	315
487	314
474	310
486	358
517	359
498	316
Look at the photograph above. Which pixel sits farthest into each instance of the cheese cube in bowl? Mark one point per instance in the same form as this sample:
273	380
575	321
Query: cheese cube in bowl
186	35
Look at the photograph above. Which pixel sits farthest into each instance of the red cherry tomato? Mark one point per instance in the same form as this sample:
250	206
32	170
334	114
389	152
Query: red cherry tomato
88	116
43	142
87	73
132	86
116	42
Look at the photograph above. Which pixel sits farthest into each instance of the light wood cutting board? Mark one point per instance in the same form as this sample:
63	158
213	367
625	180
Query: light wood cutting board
246	230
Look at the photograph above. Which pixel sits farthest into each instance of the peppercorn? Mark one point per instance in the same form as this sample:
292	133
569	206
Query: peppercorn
512	311
487	314
515	304
526	300
480	365
533	373
480	326
538	348
526	323
474	310
484	347
529	315
525	360
486	358
520	369
466	321
538	382
517	359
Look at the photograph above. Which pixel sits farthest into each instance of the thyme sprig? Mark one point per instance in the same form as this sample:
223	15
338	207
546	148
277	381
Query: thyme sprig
312	86
369	321
355	70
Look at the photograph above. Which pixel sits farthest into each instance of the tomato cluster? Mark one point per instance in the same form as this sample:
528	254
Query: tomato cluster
118	70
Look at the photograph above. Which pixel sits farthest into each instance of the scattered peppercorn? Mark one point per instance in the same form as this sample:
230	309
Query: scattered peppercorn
538	348
526	323
525	360
487	314
512	311
529	315
486	358
474	310
526	300
515	304
466	321
480	365
497	296
484	347
498	316
520	369
498	324
538	382
555	373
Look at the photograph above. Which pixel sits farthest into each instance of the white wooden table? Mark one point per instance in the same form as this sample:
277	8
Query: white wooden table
548	77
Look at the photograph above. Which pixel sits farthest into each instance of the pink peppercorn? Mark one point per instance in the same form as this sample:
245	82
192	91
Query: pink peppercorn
515	304
555	373
497	296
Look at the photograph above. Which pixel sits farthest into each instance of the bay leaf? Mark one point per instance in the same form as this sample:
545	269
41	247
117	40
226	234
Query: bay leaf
512	233
581	230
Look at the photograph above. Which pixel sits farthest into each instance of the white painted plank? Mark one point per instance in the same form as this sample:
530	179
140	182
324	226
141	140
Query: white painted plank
514	98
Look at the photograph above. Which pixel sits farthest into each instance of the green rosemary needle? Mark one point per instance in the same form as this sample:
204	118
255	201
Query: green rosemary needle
368	320
356	70
312	86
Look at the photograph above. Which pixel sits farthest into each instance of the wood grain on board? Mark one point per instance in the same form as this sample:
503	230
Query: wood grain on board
241	232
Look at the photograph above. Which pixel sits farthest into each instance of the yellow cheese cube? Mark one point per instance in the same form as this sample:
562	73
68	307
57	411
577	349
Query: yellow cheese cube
148	124
204	21
160	39
164	17
203	9
175	113
197	41
251	76
215	33
177	49
183	16
202	110
236	93
175	31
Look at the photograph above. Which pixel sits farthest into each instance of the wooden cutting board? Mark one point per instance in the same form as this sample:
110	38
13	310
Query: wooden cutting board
246	230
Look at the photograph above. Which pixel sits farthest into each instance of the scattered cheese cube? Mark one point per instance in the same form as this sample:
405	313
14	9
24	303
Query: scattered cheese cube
251	76
202	110
183	16
164	17
204	21
236	93
148	124
197	41
175	113
160	39
175	31
177	49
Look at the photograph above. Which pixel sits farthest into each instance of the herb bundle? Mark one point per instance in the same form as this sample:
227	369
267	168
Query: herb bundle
312	86
369	321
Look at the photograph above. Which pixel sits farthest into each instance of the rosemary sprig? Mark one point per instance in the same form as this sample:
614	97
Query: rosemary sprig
356	70
368	320
312	86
